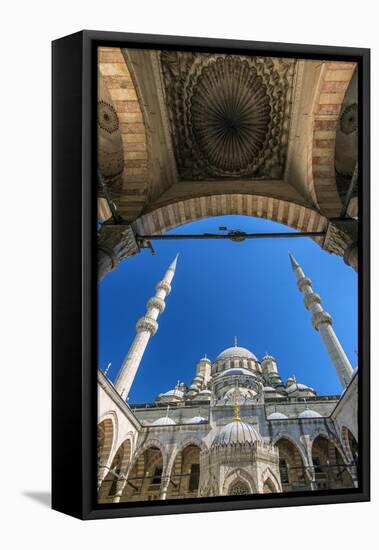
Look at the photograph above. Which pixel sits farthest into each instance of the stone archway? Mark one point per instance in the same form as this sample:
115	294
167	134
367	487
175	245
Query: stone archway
105	441
185	472
334	81
350	444
173	215
145	478
330	468
113	484
269	487
292	467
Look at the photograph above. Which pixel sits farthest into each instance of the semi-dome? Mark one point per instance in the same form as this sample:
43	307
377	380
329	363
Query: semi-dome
277	416
309	413
197	420
234	433
236	351
237	372
164	421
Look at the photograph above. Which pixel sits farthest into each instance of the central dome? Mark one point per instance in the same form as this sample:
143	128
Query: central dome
236	351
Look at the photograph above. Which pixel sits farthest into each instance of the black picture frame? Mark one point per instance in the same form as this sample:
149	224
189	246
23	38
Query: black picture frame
74	333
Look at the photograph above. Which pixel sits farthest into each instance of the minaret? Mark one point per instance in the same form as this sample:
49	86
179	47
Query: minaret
146	326
322	322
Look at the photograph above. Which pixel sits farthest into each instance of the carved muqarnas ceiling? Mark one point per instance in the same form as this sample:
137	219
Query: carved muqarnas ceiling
229	114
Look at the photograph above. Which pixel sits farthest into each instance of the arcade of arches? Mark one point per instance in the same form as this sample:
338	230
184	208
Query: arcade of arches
183	136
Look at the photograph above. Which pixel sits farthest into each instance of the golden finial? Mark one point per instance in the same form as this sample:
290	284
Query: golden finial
237	417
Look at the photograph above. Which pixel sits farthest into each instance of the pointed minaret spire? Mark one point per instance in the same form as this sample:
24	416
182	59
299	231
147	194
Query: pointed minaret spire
322	322
294	262
146	327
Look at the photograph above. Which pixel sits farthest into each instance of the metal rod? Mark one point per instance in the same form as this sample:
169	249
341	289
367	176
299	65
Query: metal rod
232	237
349	193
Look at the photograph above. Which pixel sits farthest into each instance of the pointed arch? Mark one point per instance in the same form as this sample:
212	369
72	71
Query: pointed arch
350	444
115	479
331	467
297	444
292	464
106	441
268	477
188	441
236	477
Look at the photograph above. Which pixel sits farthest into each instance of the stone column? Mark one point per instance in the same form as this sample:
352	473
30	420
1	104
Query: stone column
350	255
165	482
309	466
115	243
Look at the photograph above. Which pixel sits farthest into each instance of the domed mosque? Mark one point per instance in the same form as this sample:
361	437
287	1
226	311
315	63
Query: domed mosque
237	427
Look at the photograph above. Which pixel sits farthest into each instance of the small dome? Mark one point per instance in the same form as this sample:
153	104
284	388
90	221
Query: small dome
236	351
173	393
299	387
197	420
204	359
193	387
269	389
237	372
164	421
236	432
308	413
277	416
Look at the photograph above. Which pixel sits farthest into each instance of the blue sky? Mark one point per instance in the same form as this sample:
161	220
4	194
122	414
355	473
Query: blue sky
224	289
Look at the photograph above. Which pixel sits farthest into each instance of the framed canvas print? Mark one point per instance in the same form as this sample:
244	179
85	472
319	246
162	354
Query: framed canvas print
210	275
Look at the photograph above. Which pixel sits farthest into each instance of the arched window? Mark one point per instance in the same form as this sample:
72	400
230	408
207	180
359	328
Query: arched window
239	487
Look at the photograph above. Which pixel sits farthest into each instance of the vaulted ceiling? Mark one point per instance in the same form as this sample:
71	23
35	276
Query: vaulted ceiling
191	125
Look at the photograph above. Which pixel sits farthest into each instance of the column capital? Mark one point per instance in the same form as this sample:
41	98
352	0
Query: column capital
342	239
115	242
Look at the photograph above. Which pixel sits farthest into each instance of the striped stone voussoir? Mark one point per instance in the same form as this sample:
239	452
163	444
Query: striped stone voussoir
173	215
118	80
335	79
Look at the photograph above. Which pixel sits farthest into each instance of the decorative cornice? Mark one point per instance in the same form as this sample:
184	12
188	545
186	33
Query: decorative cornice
311	299
156	302
304	281
118	242
164	285
146	323
321	317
